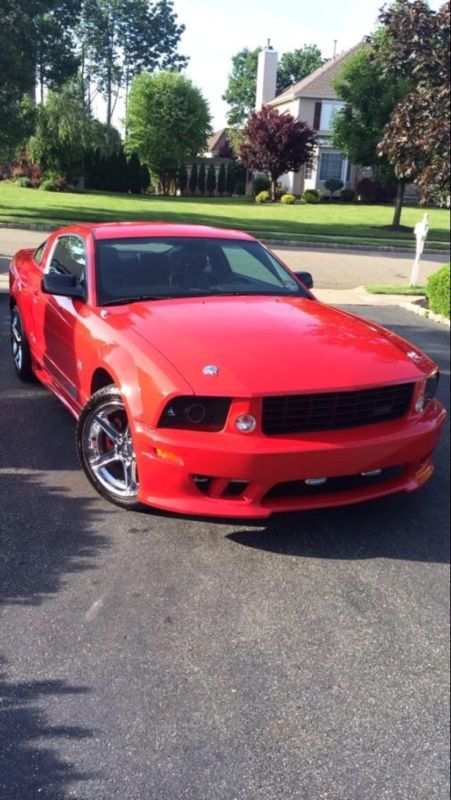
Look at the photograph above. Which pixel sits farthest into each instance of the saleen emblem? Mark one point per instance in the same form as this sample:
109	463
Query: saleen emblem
211	369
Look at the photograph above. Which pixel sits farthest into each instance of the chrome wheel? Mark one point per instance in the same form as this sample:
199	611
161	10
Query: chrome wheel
108	449
20	349
16	340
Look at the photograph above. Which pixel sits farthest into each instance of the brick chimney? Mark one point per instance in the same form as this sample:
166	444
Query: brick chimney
266	76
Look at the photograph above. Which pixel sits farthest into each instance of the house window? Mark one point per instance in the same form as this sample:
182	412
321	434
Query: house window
327	113
331	166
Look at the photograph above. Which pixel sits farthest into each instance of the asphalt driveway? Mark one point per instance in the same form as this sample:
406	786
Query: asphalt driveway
152	657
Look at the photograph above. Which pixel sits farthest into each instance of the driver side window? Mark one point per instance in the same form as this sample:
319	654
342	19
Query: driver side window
69	257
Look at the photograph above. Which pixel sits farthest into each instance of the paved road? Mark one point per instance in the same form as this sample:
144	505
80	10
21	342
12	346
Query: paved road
149	657
334	269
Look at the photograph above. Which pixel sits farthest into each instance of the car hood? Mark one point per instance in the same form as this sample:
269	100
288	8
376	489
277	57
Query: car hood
264	345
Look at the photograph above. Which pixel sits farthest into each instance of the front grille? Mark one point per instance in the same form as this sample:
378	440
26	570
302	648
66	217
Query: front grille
328	411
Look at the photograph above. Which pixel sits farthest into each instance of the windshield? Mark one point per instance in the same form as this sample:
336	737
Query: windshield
135	269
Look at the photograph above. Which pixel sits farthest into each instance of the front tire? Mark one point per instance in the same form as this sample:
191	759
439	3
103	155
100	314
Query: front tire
20	348
105	448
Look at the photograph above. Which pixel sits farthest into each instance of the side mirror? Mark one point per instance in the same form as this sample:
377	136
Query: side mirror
62	286
306	278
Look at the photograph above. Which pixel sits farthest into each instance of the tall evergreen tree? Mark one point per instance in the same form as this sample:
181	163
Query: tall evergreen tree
221	180
182	178
211	179
193	179
230	178
201	179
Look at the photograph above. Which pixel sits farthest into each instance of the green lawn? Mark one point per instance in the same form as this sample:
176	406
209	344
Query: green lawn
387	289
331	223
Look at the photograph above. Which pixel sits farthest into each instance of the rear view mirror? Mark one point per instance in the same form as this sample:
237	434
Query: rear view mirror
62	286
306	278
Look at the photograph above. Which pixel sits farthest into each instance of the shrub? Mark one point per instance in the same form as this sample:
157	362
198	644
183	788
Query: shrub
26	170
347	195
23	181
53	183
48	185
311	196
288	199
372	191
438	291
333	185
261	184
263	197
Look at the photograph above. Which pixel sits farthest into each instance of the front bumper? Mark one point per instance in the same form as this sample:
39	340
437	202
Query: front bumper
168	460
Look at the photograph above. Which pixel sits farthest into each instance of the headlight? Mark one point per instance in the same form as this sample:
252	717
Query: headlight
428	391
196	413
432	385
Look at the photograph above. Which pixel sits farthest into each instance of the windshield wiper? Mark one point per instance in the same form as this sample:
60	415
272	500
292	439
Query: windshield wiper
121	301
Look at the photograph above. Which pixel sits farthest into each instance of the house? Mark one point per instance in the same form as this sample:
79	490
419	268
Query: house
217	143
313	100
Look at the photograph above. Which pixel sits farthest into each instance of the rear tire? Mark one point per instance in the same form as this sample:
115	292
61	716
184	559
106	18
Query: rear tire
20	348
105	448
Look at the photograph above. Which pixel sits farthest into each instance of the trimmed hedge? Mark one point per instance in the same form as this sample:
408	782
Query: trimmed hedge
311	196
288	199
438	291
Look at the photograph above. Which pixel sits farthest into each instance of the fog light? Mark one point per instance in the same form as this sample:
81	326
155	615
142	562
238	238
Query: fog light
246	423
315	481
371	473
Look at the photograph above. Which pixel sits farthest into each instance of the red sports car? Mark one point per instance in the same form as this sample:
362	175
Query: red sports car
207	379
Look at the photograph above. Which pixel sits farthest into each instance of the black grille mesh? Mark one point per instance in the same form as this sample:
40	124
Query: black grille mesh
335	410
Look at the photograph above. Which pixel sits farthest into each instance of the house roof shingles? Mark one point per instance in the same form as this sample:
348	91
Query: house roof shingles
319	83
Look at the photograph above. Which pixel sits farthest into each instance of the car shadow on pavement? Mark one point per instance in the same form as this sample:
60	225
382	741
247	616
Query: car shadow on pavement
406	527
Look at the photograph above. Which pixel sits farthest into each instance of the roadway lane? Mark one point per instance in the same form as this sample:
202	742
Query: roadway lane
151	657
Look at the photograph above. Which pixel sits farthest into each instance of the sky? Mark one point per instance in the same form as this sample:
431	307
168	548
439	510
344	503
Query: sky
216	31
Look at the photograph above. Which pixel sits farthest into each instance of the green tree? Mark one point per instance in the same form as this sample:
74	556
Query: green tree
55	44
221	180
17	72
120	38
370	97
298	64
193	179
168	121
242	84
415	48
65	134
211	179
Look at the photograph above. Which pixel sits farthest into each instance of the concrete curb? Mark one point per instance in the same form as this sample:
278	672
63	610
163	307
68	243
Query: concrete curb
37	226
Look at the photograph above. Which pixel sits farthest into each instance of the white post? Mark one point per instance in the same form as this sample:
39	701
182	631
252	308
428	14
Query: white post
421	232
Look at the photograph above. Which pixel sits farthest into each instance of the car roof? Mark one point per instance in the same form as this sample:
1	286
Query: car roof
130	230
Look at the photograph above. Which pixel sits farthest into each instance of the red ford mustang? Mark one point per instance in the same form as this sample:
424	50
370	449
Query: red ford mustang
207	379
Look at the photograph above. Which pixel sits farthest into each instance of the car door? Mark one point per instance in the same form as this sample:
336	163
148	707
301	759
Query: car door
57	318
